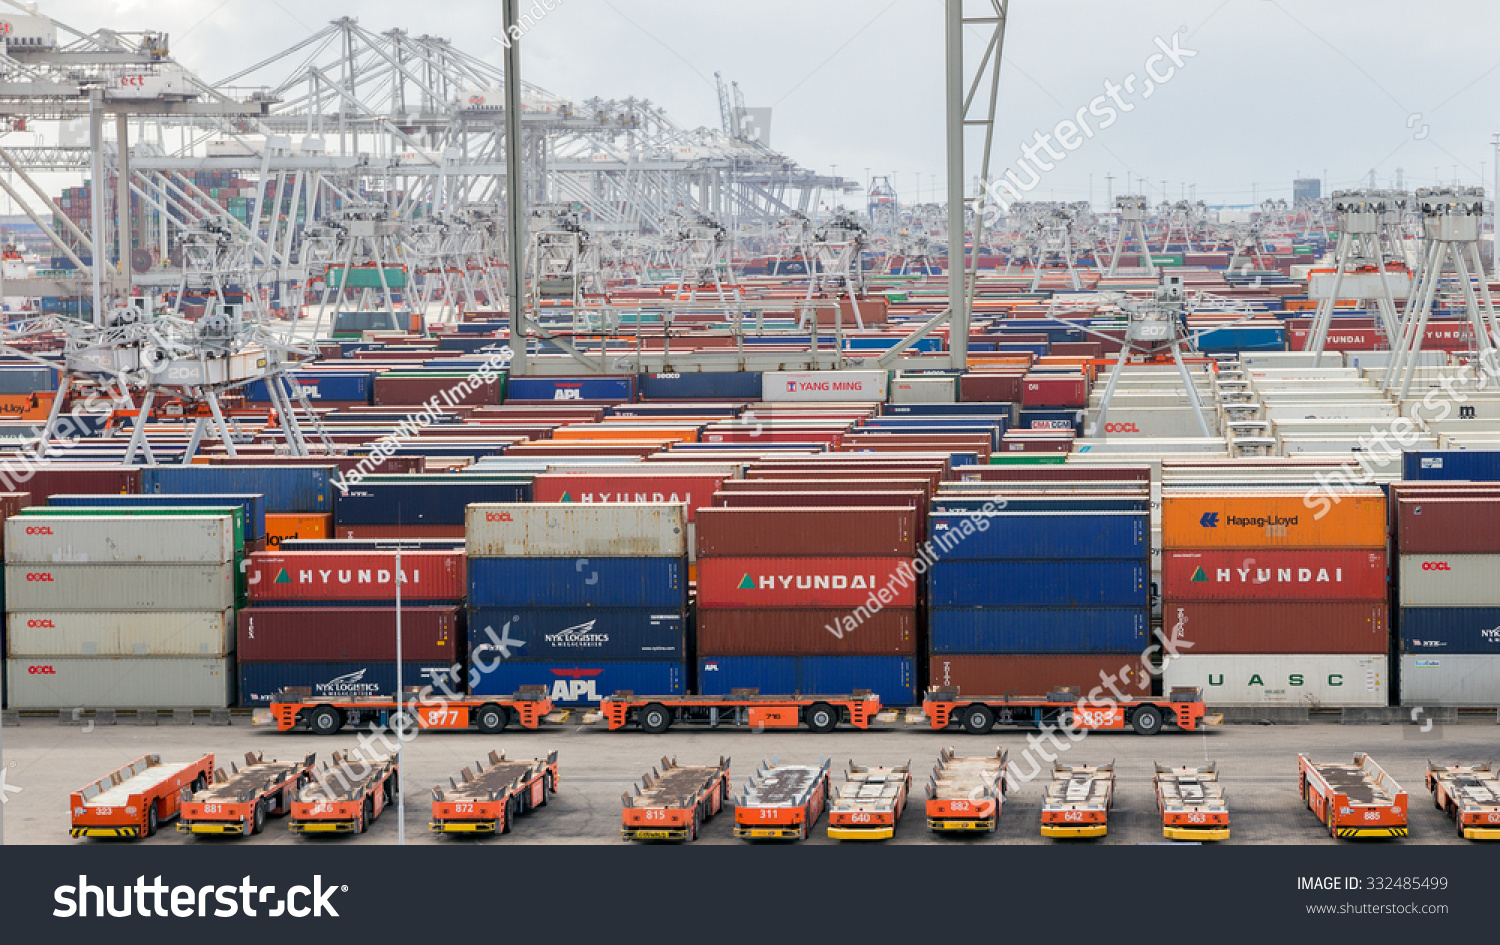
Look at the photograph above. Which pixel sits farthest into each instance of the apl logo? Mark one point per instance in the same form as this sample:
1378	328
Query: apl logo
1209	520
1435	566
580	688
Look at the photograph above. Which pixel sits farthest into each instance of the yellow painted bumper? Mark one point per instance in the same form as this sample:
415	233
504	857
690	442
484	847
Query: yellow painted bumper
1195	833
861	833
1482	833
1069	832
1355	833
628	834
959	826
461	826
213	828
128	832
768	833
322	826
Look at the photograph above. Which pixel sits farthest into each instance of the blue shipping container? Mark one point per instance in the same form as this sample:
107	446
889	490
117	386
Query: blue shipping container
659	583
1470	465
1029	503
577	682
598	633
1079	583
1050	420
703	385
254	505
420	503
286	488
372	544
1050	536
1038	629
1426	630
892	678
352	386
998	412
571	388
260	681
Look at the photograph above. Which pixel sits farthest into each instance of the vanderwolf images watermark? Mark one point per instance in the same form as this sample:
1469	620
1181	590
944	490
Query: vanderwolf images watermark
525	20
1160	68
414	423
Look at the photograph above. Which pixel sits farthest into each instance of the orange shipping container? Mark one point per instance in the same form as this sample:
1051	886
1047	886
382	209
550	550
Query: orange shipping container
1271	520
26	406
281	526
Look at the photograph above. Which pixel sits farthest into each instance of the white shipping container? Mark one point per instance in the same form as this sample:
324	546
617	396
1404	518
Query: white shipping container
1316	410
1295	445
102	682
1449	580
1156	445
1127	421
569	529
1460	680
153	633
119	587
1342	394
1313	681
824	386
1380	359
924	390
1283	359
1473	409
120	539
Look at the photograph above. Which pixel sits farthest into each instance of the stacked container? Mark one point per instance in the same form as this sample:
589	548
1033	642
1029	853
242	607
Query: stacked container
1448	540
585	600
811	600
1280	604
1029	601
120	611
326	622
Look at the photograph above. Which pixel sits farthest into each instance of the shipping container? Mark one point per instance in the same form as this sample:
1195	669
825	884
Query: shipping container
420	503
1267	520
1440	630
807	631
659	582
285	488
254	505
702	386
1466	524
1038	629
355	678
56	682
1455	680
613	389
120	539
565	530
1055	535
992	674
1273	626
808	532
1274	574
1449	580
578	682
1316	681
311	576
1469	465
594	633
119	587
892	678
44	482
1077	583
336	634
290	526
824	386
768	583
691	491
234	513
104	633
1062	390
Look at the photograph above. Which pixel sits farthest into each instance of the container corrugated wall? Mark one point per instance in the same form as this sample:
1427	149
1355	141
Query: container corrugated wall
260	681
578	682
106	587
286	488
892	678
1450	680
336	634
95	633
1309	680
57	682
625	633
563	530
100	539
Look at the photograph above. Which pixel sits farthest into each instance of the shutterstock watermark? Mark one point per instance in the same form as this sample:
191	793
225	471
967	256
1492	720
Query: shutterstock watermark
1096	115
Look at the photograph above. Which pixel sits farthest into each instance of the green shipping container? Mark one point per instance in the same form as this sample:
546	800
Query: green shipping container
1028	459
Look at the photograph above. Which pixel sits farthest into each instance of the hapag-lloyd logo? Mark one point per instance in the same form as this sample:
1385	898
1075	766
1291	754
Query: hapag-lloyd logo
1261	521
807	582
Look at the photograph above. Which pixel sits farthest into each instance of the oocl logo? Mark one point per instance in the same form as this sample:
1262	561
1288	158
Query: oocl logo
38	530
39	576
1435	566
498	517
1120	428
41	670
41	623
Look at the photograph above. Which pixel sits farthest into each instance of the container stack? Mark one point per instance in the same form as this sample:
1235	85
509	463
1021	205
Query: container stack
120	611
586	600
418	506
1050	594
326	622
809	599
1448	539
1279	604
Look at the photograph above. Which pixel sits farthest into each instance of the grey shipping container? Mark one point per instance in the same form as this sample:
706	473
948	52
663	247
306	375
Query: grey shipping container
568	529
120	539
1463	680
1450	580
103	682
116	633
119	586
1310	680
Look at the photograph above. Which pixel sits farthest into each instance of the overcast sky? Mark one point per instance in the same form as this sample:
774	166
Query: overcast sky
1276	89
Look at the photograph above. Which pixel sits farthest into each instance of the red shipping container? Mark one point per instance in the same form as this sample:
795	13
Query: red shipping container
832	474
804	631
808	532
989	388
1036	441
805	582
1467	525
1457	489
693	491
345	464
355	576
339	634
1231	574
414	391
66	479
1053	473
922	487
1055	390
999	674
1278	627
